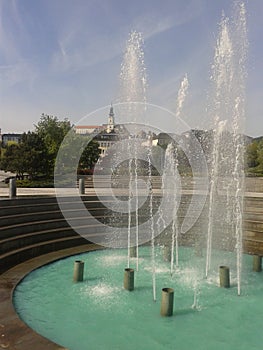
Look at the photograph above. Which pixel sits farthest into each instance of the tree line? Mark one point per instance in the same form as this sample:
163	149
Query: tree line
254	157
36	153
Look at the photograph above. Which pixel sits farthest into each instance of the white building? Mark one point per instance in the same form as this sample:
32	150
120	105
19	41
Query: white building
10	137
106	135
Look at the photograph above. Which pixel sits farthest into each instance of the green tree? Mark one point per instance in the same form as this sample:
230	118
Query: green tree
52	131
77	149
12	160
260	155
252	155
89	156
36	159
29	156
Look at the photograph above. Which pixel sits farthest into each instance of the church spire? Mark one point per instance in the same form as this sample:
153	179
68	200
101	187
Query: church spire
111	122
111	111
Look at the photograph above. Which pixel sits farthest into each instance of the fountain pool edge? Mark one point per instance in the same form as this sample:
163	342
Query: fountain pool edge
14	333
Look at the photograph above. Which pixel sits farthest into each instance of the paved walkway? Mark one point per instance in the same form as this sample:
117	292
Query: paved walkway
4	192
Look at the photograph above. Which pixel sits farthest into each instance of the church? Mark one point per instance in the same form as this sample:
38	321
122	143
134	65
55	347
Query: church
106	135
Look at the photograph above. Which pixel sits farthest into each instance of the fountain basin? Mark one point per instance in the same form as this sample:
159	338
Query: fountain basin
99	314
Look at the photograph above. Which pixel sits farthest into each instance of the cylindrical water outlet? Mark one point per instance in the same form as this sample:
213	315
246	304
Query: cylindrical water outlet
133	252
224	276
78	271
12	188
81	186
167	302
128	282
257	263
167	253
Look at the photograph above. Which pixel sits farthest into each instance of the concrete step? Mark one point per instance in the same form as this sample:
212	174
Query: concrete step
253	225
31	217
34	201
7	202
253	202
21	241
253	216
255	235
18	256
26	228
42	207
17	242
252	246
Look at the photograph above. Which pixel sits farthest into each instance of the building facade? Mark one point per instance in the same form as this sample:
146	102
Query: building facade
106	135
10	137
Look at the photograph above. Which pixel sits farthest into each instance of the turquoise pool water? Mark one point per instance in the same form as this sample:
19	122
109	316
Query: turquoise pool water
99	314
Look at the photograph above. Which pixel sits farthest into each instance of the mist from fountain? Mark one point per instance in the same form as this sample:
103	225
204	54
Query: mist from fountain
133	85
175	225
171	171
241	47
129	208
226	170
150	190
182	93
227	164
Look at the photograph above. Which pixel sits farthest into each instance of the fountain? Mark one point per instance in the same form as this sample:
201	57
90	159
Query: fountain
227	174
133	89
100	313
176	215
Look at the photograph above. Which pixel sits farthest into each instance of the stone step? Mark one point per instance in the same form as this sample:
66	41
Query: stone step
250	234
252	246
253	225
16	242
40	207
30	217
253	202
253	216
26	228
35	201
18	256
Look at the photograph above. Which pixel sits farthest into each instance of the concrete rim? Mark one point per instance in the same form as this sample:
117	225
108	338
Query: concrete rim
14	333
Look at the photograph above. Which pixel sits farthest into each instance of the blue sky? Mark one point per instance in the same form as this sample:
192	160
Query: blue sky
63	57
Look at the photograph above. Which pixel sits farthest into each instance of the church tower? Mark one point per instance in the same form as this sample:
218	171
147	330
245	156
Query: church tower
111	122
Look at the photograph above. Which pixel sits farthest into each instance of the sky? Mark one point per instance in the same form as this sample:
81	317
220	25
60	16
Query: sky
63	57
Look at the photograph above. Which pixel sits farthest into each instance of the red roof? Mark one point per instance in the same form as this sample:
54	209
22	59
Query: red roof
89	127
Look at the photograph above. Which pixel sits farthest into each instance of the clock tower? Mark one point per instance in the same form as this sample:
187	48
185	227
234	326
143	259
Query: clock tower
111	122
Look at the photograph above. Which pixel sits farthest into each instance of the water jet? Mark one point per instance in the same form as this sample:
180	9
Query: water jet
167	253
133	252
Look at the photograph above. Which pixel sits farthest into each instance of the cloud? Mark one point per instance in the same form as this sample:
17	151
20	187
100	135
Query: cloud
70	57
169	16
8	49
12	74
87	40
14	68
